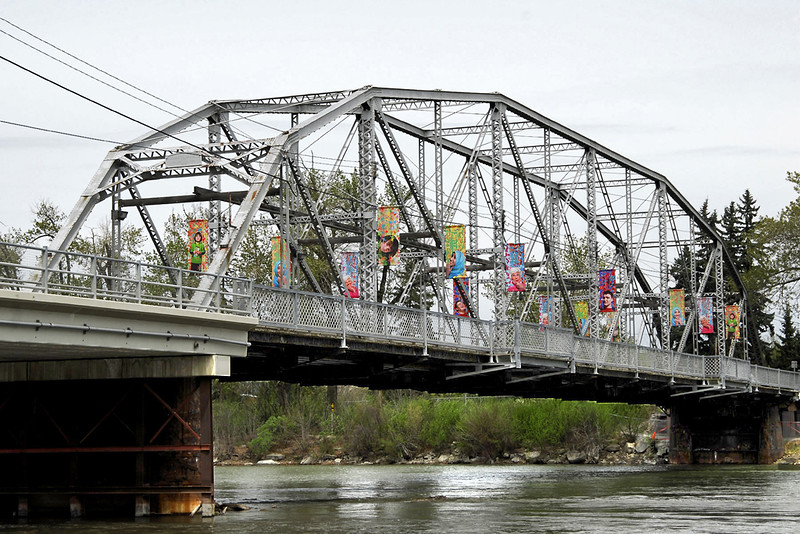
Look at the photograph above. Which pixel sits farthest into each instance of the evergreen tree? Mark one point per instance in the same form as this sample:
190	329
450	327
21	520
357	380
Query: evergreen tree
789	348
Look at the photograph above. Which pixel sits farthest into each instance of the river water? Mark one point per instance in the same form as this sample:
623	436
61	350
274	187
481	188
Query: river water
483	499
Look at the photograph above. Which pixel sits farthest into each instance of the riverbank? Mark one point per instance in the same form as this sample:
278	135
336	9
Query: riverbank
644	451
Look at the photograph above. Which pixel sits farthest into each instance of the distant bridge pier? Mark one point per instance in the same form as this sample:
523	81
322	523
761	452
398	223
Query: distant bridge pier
727	430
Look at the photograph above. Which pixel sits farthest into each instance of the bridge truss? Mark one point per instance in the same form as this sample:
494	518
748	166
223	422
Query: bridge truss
482	160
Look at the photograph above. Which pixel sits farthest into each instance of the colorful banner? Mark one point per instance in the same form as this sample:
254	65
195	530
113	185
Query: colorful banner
350	274
455	250
582	314
198	245
732	321
281	266
459	305
388	231
515	267
545	309
608	290
677	308
705	314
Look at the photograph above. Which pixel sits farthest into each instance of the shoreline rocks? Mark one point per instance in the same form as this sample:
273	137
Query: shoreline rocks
641	452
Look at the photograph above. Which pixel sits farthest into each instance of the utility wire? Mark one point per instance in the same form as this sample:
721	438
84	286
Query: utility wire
91	66
112	110
48	130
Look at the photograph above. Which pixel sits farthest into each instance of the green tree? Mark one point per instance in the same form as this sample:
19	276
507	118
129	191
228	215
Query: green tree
789	347
775	242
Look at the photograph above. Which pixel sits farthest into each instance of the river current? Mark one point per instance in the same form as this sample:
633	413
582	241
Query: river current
482	499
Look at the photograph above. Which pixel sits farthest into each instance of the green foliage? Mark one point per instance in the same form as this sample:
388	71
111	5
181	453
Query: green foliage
364	424
486	429
270	433
402	424
540	422
788	347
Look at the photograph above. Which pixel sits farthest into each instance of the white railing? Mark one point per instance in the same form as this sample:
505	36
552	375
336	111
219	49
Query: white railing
24	268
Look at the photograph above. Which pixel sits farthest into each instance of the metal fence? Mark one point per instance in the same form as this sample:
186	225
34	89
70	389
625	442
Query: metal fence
24	268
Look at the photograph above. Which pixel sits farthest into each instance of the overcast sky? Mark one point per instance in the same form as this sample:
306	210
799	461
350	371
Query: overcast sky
703	92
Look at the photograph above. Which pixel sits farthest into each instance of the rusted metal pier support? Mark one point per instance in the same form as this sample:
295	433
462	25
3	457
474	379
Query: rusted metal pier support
725	431
95	447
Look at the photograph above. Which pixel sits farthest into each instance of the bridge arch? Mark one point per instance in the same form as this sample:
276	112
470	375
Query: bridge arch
482	160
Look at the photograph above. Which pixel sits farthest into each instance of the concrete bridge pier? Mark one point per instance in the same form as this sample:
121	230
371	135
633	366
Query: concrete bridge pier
136	446
105	406
725	430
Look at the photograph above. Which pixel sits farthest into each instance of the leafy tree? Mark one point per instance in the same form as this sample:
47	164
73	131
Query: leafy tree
775	246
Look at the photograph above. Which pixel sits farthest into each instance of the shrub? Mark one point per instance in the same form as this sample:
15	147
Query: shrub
364	424
486	430
269	434
440	428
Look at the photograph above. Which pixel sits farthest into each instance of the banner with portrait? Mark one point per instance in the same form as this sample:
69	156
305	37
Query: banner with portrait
705	314
545	309
732	322
198	245
608	290
459	303
281	263
582	315
677	310
388	235
350	274
455	251
515	267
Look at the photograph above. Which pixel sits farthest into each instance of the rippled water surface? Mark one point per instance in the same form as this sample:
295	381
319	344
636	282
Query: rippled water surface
484	499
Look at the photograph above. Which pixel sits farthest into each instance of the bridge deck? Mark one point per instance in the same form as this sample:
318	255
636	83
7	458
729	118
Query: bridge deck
314	338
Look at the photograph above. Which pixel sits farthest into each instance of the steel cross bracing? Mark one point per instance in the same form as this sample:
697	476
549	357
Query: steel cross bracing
438	147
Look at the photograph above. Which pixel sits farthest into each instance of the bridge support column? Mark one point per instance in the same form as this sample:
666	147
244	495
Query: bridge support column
92	447
729	431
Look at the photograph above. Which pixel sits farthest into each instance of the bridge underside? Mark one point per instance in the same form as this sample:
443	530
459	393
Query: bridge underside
323	361
316	359
711	423
106	447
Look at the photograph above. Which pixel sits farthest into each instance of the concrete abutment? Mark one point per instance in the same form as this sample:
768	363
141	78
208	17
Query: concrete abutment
725	431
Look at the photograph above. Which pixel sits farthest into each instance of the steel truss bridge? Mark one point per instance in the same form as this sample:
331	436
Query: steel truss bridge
264	168
507	173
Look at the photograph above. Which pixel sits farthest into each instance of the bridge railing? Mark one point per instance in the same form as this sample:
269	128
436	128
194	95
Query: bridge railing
25	268
349	317
779	378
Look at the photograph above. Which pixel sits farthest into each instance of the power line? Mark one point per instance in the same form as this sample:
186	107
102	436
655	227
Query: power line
59	132
112	110
91	66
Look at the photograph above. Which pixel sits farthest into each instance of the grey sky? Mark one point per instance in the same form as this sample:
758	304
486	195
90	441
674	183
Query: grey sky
705	93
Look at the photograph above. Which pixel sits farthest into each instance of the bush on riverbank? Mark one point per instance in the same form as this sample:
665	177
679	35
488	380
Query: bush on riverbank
401	425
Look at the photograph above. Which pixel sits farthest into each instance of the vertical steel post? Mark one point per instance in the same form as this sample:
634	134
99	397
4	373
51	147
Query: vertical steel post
498	241
663	265
214	184
472	188
591	243
421	179
630	323
693	286
720	300
368	197
438	183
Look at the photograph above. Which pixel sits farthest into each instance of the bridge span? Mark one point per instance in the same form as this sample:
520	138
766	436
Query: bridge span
575	272
106	397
